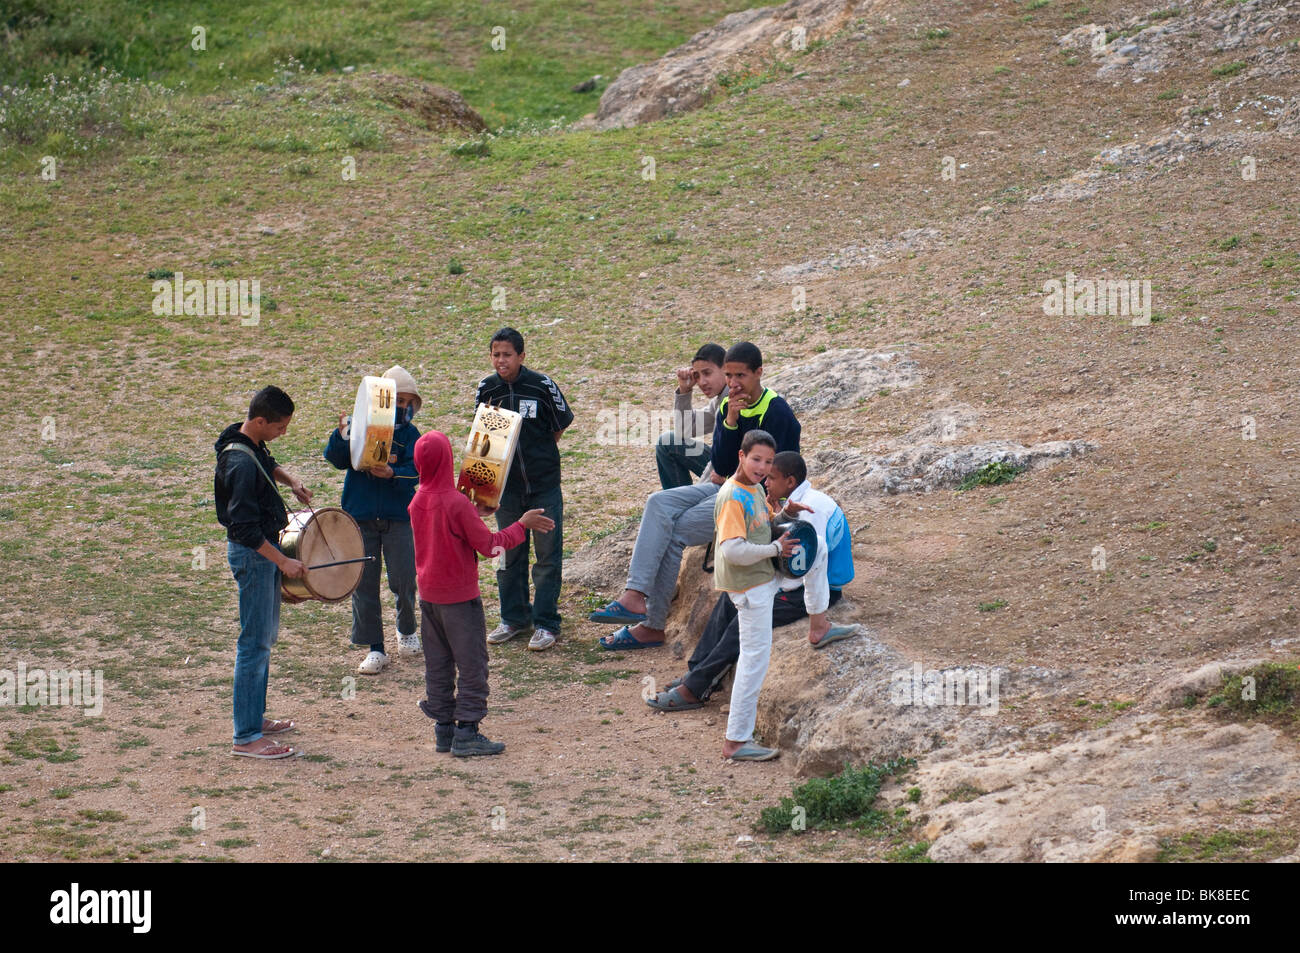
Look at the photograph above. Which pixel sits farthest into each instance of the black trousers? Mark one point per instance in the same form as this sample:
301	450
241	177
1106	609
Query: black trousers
719	646
455	660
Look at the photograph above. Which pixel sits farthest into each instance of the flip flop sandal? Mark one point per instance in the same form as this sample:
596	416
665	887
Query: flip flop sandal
272	727
752	752
623	639
269	753
615	612
675	682
835	633
672	700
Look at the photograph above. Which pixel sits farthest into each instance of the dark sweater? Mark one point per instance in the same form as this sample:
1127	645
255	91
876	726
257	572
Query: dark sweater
770	413
537	459
248	506
367	497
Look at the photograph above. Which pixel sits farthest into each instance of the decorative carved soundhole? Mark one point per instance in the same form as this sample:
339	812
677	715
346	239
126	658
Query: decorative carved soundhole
480	474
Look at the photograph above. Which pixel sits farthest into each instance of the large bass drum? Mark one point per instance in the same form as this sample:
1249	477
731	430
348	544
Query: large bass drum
326	536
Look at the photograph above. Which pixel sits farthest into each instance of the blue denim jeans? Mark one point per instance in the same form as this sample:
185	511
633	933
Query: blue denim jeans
512	578
259	627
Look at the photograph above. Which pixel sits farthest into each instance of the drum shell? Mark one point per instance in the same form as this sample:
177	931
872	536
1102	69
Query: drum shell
806	534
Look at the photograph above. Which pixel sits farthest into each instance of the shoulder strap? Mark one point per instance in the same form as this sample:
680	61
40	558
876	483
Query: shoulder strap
244	448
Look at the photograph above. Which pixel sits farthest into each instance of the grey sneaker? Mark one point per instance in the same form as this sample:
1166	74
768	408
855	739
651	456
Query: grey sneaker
542	640
504	633
470	742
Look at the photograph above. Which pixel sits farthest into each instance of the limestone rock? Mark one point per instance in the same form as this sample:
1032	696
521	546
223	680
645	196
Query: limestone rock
842	378
682	79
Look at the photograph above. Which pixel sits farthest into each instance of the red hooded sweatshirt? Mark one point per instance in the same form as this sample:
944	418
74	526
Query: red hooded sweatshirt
447	528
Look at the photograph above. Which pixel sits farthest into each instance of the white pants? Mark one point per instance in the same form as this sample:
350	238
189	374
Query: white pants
754	612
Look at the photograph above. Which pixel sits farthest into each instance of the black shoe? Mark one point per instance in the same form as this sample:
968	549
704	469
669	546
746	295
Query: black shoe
442	731
469	742
707	566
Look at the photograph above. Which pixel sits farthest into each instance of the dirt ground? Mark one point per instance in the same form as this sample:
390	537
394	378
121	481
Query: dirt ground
1198	523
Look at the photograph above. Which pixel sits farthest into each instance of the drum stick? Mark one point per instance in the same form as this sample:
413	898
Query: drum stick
342	562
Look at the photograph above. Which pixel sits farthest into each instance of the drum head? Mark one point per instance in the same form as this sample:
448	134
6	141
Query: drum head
799	562
329	536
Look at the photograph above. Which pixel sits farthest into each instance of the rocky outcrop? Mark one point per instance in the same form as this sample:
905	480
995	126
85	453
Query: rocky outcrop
854	478
683	78
869	255
842	378
1108	795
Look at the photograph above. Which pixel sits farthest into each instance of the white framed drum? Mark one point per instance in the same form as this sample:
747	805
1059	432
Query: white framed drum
327	536
374	416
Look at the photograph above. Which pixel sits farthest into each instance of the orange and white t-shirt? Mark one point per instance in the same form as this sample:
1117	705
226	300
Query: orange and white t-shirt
742	512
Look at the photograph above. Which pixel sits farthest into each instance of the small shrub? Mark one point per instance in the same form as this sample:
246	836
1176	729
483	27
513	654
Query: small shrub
844	800
1229	69
991	474
472	148
454	267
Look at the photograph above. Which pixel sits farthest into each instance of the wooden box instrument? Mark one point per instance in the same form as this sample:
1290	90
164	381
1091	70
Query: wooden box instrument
374	415
489	451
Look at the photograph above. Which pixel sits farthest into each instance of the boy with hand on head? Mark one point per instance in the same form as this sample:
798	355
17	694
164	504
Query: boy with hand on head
250	508
678	455
744	547
377	498
448	532
533	482
684	516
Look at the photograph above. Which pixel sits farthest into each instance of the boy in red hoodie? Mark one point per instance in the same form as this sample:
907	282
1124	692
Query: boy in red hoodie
448	532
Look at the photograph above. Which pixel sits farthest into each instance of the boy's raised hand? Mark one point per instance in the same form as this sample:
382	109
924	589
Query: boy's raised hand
685	380
792	508
739	401
534	519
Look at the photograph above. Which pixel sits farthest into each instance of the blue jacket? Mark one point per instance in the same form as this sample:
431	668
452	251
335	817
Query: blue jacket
839	543
367	497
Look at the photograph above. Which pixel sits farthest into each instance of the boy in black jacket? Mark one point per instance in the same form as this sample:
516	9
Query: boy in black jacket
533	483
249	506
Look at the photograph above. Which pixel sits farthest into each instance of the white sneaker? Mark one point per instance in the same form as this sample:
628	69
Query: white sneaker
504	633
408	643
373	663
542	640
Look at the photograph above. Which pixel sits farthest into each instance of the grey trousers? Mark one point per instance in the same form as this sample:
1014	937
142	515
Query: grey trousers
393	540
455	639
673	520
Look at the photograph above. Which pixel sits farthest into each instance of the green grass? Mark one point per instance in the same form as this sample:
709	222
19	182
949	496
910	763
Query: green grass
1227	846
1275	689
550	45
